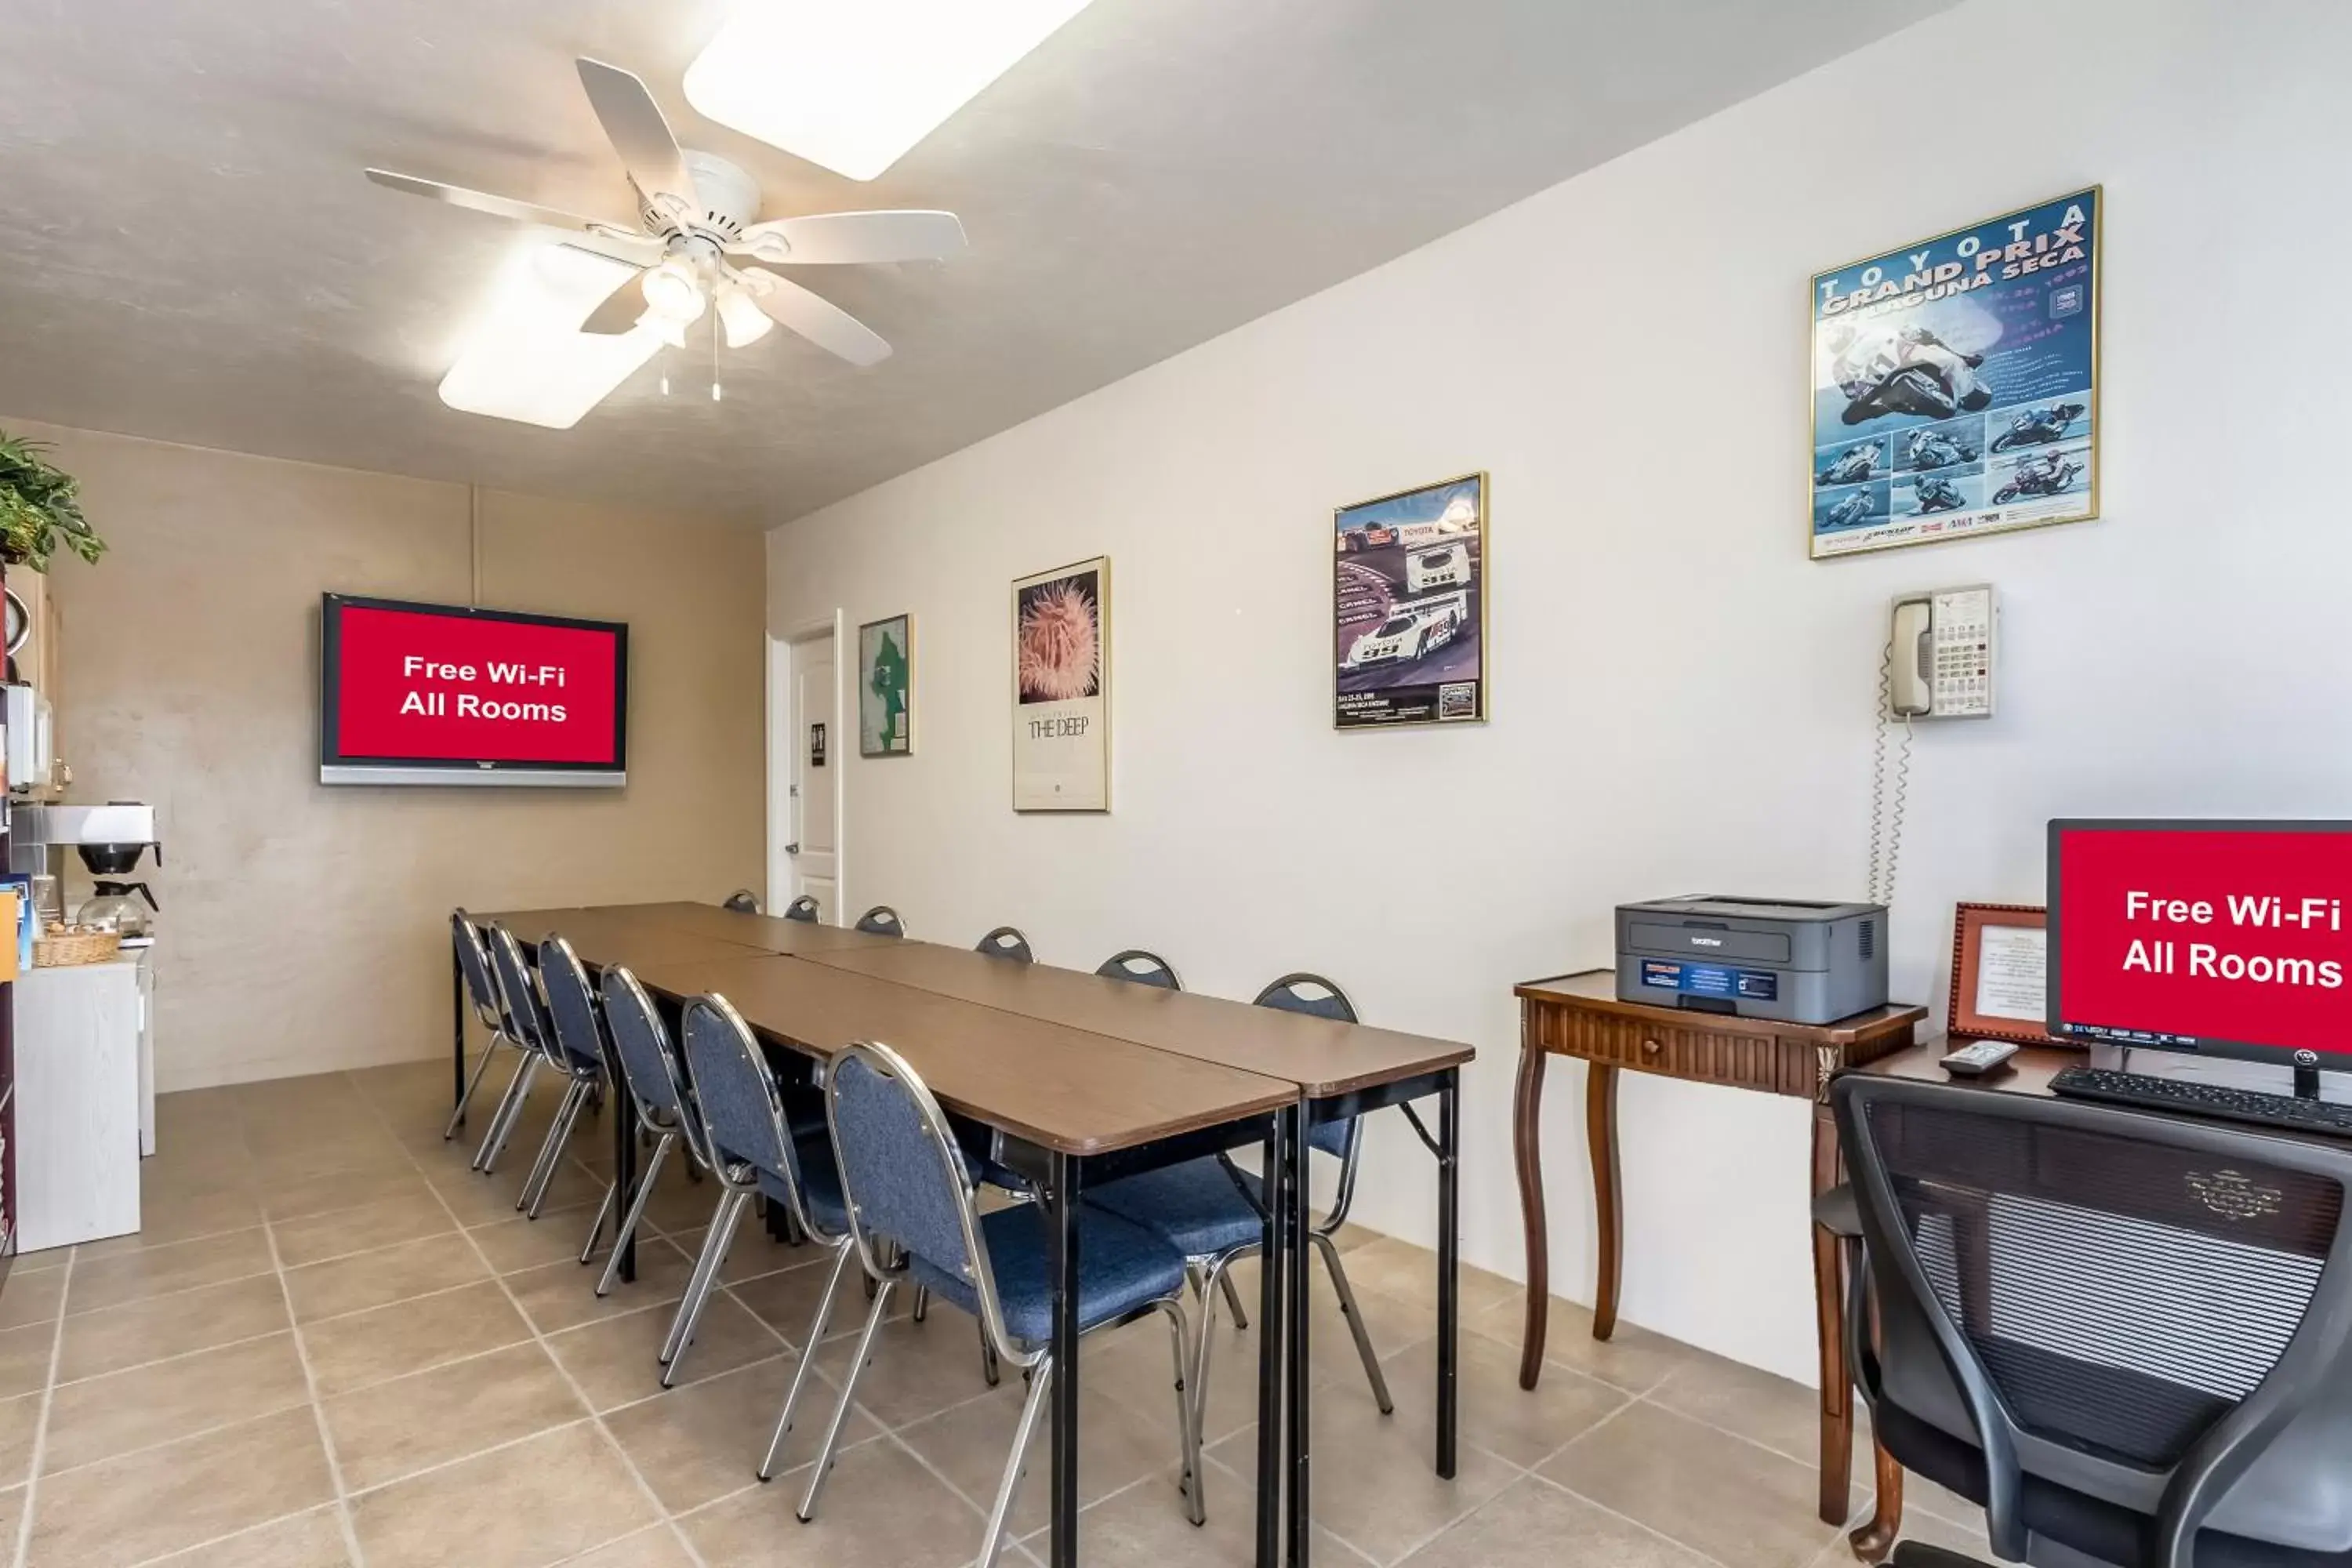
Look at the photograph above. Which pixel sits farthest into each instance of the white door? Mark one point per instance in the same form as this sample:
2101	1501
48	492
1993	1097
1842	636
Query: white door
814	740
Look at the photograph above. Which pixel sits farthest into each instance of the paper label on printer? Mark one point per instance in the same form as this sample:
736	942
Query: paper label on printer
1711	980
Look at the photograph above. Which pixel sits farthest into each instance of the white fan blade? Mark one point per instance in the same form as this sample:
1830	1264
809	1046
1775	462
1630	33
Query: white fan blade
740	315
620	311
632	122
819	320
619	240
831	237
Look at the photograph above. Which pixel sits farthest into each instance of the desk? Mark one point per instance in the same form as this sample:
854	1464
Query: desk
1579	1015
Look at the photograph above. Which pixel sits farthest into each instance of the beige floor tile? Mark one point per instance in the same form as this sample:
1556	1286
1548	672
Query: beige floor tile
320	1237
28	1264
347	1190
562	1295
1533	1525
379	1279
1409	1273
1145	1527
1393	1325
156	1500
20	1418
1118	1447
1756	1508
526	1506
1633	1358
353	1352
917	1369
156	1270
312	1540
515	1244
25	1356
658	1546
700	1441
139	1331
1525	1427
616	1361
1133	1365
169	1213
397	1428
787	1300
880	1509
1756	1405
34	1299
161	1402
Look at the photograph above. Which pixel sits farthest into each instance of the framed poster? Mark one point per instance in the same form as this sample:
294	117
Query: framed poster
1061	688
2000	967
1409	607
886	688
1955	384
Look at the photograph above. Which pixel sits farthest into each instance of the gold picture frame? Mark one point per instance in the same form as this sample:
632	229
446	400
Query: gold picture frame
1365	596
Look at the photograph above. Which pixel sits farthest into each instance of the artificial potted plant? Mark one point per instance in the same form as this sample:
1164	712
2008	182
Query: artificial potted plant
38	507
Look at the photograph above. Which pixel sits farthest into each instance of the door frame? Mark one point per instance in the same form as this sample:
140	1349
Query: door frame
783	735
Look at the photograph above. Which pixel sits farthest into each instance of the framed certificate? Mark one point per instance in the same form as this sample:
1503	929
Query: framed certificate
2000	967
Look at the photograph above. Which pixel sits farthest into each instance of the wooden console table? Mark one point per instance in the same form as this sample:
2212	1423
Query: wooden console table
1579	1015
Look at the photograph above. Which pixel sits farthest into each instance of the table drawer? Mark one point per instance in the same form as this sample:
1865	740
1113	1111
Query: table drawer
1704	1055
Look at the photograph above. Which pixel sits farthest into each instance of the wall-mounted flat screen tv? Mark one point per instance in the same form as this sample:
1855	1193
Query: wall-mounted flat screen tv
439	694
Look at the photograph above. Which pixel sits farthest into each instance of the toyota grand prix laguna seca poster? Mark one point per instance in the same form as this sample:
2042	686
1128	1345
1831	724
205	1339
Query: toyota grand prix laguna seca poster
1408	607
1955	384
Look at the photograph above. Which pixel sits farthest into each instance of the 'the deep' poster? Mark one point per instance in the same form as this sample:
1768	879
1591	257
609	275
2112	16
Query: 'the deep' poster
1954	383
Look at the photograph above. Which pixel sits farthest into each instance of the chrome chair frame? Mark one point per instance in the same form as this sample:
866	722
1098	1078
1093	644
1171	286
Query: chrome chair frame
621	988
582	1064
527	1026
488	1010
881	920
886	1265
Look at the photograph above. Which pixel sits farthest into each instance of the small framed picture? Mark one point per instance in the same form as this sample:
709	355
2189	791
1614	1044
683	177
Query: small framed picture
886	688
2001	968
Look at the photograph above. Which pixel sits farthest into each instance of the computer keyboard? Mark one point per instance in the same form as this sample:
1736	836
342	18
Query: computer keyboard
2193	1098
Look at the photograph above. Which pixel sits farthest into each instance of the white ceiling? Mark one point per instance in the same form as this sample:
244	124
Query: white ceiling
188	249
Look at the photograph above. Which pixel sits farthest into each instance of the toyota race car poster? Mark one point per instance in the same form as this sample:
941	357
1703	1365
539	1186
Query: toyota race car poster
1955	384
1409	607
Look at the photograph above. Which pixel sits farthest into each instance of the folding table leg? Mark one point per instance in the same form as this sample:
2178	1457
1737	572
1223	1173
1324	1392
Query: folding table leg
1272	1321
1063	1201
1302	1425
1449	1268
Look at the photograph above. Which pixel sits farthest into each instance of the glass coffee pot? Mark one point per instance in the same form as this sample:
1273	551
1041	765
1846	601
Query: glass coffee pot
126	908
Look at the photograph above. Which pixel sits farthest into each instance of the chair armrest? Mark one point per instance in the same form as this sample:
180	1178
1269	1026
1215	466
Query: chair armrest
1836	1211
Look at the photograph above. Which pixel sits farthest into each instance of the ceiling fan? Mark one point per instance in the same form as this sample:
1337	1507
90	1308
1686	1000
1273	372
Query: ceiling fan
695	217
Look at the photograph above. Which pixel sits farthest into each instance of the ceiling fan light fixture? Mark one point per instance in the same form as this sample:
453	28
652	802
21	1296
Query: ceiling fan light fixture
853	87
741	316
527	358
674	293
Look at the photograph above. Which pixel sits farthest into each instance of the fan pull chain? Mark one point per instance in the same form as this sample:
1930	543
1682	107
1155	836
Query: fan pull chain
715	389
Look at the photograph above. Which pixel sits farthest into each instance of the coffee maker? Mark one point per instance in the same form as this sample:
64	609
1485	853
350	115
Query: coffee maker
109	840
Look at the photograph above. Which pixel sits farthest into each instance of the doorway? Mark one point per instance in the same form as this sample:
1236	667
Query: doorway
805	764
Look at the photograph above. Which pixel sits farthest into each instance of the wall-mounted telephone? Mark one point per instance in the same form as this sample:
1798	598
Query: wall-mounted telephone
1941	649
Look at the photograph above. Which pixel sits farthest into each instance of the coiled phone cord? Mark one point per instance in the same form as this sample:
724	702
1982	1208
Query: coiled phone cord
1886	796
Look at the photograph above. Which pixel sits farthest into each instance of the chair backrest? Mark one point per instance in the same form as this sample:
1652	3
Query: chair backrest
519	994
803	909
1006	942
742	902
2114	1316
881	920
909	1191
742	1118
1311	993
650	1064
579	1033
474	965
1143	968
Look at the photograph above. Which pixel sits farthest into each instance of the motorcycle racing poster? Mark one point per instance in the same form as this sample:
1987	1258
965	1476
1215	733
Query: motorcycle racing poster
1409	607
1955	384
1061	688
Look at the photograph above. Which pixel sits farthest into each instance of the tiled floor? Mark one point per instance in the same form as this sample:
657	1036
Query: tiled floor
333	1344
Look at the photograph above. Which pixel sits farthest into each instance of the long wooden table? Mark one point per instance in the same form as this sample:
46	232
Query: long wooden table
1083	1079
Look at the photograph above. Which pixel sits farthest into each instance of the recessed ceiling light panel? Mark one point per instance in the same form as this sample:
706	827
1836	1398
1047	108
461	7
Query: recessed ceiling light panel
527	360
853	84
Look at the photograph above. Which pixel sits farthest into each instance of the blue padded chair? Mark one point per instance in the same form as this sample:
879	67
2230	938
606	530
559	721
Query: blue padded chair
527	1025
742	901
482	994
1209	1209
659	1098
803	910
752	1151
881	920
1006	942
913	1212
575	1047
1141	967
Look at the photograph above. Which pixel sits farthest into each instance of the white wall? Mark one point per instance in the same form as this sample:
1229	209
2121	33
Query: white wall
1682	700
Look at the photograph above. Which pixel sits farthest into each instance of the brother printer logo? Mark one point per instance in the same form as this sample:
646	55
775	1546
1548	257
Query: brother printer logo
1706	942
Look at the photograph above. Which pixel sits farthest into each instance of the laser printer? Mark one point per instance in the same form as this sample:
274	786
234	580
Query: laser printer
1790	960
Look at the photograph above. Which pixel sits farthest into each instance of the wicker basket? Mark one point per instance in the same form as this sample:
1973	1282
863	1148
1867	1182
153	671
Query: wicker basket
60	946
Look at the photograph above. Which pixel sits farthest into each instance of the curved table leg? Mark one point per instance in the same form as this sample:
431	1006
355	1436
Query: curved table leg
1527	1143
1601	1138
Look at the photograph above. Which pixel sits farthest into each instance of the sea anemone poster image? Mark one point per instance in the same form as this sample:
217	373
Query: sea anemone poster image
1409	607
1955	384
1061	688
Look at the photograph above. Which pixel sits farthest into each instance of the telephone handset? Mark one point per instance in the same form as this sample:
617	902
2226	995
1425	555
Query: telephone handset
1941	663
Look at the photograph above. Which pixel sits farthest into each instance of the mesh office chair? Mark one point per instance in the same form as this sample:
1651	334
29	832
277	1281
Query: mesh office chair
1006	942
2125	1335
1143	968
803	910
654	1077
742	901
482	994
881	920
575	1047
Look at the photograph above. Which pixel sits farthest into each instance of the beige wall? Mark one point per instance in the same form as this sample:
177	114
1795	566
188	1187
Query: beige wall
303	925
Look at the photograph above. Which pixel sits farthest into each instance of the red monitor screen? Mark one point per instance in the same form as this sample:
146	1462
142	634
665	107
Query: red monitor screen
439	694
2226	938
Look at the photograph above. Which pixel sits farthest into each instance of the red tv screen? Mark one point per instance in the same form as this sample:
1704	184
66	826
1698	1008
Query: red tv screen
2228	938
440	694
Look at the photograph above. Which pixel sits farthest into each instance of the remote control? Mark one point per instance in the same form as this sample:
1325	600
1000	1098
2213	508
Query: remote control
1978	1059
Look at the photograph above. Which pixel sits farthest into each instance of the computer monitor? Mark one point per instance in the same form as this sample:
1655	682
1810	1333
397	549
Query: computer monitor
2227	938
